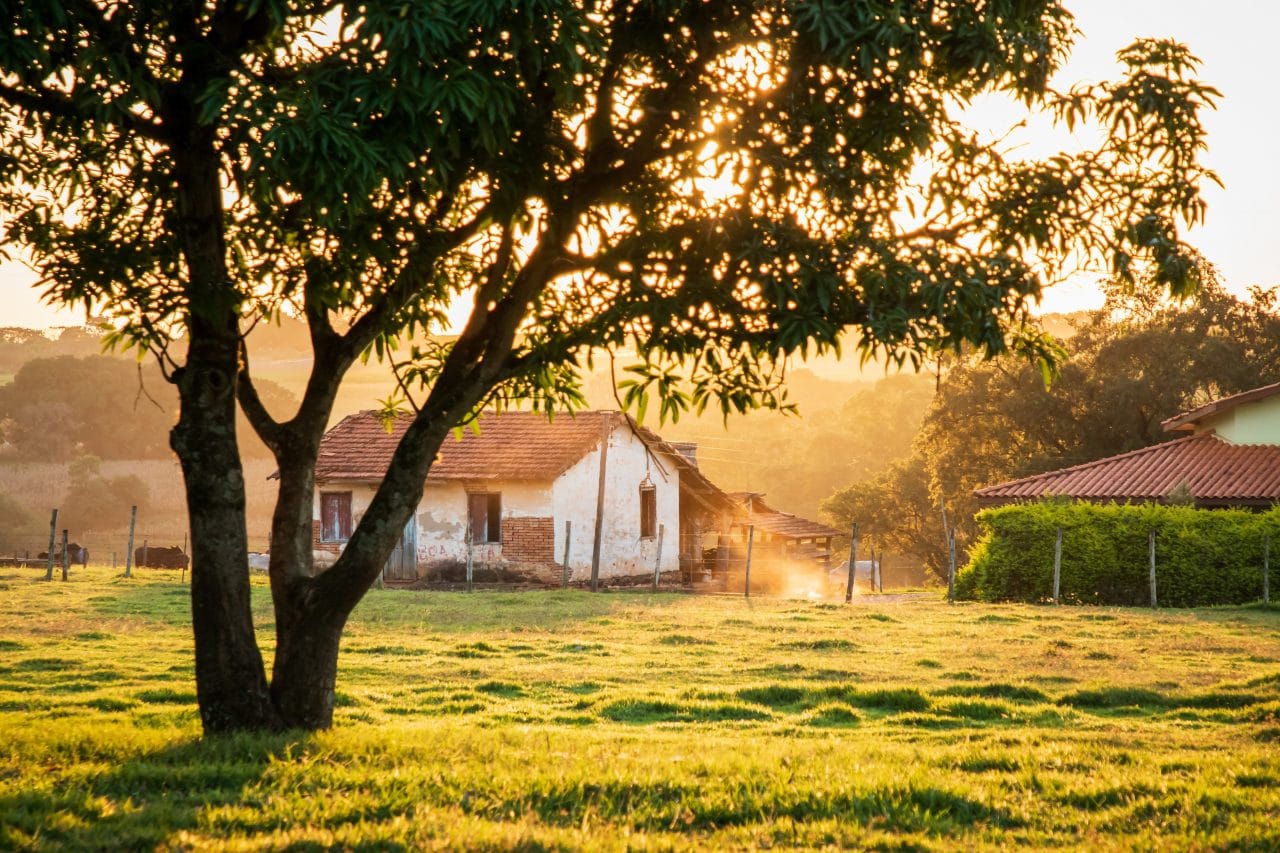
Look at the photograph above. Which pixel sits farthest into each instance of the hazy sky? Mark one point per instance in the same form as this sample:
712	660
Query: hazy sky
1234	38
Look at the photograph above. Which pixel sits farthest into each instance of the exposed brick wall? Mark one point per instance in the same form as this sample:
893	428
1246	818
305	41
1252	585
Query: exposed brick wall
529	540
317	545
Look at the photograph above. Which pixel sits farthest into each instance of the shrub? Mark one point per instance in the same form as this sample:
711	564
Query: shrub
1203	557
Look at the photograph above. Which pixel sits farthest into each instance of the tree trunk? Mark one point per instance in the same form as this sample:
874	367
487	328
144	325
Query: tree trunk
306	666
231	684
311	612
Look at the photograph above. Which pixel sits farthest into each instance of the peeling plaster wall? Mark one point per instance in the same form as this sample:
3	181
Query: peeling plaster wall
622	551
442	515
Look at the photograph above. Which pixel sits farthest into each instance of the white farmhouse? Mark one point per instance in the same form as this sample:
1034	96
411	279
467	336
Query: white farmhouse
522	492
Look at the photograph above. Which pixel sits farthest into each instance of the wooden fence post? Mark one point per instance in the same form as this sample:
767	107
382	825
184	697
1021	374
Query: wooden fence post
568	528
951	566
600	491
53	539
470	562
657	563
1151	554
1057	568
64	553
751	536
128	555
853	562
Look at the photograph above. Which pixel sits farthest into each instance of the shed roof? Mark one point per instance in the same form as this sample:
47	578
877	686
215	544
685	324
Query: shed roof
1216	472
1188	420
508	446
789	526
784	524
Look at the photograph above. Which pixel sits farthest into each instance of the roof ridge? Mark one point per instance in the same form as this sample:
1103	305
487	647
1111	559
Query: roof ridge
1191	416
1106	460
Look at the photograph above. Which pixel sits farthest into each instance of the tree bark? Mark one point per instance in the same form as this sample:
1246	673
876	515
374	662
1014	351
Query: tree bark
306	665
231	684
311	612
230	678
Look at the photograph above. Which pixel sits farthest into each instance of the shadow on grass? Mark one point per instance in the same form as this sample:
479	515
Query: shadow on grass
143	802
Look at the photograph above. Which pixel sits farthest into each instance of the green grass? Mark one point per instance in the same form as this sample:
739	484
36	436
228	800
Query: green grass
565	720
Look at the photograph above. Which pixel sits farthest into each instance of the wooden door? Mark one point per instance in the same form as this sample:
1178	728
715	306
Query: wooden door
402	565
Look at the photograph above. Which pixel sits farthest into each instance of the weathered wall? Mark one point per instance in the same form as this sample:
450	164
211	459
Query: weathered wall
442	519
622	551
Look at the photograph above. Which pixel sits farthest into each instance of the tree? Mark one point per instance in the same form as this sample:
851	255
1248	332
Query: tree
1131	364
57	407
718	185
14	519
109	407
95	502
897	509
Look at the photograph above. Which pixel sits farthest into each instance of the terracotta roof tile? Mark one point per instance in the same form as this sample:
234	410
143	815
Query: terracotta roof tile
1215	471
509	446
788	525
753	510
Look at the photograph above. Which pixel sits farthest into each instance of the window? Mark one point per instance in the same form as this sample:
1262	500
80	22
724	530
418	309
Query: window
335	516
648	510
484	514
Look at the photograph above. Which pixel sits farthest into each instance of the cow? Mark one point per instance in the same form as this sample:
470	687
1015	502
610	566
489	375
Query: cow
149	557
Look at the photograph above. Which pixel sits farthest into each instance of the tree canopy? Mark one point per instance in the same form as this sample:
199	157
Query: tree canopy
715	186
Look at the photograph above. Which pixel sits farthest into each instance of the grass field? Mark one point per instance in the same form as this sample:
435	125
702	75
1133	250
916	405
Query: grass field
629	720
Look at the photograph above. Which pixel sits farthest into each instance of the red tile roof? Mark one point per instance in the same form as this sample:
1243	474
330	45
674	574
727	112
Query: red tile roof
1188	420
788	526
1217	473
755	511
509	446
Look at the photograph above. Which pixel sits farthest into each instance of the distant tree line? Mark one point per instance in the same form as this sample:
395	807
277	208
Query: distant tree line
1131	364
62	407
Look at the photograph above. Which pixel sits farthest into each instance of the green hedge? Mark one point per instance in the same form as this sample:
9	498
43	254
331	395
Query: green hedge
1203	556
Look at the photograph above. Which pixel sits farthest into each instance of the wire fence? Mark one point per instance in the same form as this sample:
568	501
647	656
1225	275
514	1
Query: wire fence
30	545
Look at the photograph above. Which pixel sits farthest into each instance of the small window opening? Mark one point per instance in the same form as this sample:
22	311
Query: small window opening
484	515
335	516
648	509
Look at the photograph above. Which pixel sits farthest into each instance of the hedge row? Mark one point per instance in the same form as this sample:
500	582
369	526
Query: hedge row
1203	556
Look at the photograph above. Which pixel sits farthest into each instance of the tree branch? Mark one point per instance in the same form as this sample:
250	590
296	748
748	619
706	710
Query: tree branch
58	104
268	428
